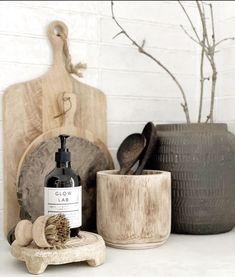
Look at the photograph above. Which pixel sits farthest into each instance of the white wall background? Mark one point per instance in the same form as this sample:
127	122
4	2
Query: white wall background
137	90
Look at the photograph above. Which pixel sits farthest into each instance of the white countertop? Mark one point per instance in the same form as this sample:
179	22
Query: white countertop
181	255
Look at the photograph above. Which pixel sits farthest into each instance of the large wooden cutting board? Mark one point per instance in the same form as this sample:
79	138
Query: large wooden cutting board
29	109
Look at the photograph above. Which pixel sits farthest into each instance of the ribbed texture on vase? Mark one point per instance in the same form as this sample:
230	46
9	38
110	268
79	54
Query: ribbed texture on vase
193	126
201	158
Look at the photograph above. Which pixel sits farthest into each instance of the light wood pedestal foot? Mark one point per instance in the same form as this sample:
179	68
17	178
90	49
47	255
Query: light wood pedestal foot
88	247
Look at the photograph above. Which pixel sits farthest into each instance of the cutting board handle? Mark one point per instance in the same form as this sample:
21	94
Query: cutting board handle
57	29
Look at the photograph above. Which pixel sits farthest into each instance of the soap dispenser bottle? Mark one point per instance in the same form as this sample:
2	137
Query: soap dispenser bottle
62	189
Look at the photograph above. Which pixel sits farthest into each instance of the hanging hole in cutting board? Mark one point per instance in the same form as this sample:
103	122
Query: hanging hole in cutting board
58	30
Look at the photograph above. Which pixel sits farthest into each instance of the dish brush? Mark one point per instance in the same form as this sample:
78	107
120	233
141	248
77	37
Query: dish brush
46	231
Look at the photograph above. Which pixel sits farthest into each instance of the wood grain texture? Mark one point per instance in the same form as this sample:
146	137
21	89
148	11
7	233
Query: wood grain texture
87	247
134	211
68	128
86	159
29	109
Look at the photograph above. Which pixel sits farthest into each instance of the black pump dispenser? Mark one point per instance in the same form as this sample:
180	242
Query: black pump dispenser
63	155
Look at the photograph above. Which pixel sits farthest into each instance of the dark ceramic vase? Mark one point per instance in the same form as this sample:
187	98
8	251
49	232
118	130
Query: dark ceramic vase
201	158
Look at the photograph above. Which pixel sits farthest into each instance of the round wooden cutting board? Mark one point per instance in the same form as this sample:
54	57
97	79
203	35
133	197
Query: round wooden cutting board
86	159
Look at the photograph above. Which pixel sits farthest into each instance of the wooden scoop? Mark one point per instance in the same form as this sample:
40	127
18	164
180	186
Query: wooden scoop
129	151
149	133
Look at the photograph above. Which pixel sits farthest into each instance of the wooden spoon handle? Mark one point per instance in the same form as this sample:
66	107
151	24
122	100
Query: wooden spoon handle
141	166
123	171
149	132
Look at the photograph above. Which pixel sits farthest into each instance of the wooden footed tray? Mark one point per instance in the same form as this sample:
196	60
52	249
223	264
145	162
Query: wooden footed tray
87	247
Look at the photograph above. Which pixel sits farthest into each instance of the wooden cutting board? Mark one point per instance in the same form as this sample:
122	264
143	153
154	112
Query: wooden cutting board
87	157
29	109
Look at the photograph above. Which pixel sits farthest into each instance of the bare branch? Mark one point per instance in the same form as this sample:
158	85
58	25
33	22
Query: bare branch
202	78
118	34
141	50
207	119
122	30
143	43
210	53
204	50
208	49
191	37
213	66
190	21
225	39
203	21
213	85
212	24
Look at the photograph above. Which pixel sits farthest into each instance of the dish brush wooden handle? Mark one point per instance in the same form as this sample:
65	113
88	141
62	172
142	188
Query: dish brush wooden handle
26	232
23	232
38	231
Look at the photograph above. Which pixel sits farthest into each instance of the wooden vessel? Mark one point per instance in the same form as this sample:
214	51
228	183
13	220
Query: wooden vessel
134	211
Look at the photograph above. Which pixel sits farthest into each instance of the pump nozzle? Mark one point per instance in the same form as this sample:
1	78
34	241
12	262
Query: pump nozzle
63	154
63	141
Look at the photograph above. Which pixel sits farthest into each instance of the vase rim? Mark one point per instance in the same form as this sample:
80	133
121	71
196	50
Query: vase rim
146	172
192	126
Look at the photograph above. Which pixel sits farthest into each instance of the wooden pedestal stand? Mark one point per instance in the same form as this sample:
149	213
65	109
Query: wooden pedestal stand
88	247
